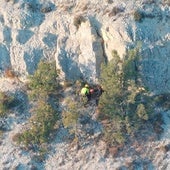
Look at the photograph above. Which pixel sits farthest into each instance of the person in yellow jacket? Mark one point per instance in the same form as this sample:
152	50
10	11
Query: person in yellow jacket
85	91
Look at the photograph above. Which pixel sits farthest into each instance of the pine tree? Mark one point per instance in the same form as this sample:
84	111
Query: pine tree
44	80
45	114
124	101
111	81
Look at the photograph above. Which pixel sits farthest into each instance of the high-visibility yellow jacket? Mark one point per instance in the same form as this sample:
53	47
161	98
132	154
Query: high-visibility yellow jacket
85	91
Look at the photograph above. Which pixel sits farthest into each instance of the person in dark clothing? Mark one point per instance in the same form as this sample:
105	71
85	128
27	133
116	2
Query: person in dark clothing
99	91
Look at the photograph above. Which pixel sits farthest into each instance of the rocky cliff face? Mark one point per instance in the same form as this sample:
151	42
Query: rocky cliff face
80	35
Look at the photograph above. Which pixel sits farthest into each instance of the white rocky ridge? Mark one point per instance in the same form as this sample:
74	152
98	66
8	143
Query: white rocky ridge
79	35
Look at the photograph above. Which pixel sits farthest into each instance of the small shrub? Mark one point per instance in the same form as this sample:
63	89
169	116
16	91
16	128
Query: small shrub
149	2
109	1
141	112
5	103
70	116
1	133
67	84
42	152
115	11
78	20
163	100
46	9
9	73
157	124
84	7
138	16
16	138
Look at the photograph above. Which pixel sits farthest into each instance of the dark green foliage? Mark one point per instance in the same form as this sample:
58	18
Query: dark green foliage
125	101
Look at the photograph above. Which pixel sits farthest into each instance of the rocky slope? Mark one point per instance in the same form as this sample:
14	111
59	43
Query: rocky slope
79	35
